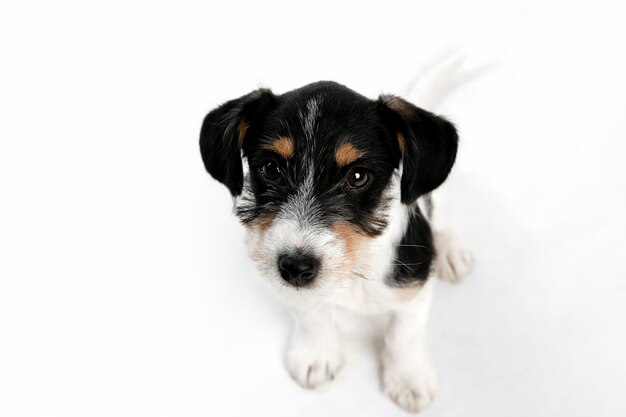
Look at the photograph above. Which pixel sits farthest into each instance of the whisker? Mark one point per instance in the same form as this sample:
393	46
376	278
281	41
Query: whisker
413	246
403	264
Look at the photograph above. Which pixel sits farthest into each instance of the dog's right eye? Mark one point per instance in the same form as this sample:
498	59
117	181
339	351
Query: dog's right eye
357	177
271	171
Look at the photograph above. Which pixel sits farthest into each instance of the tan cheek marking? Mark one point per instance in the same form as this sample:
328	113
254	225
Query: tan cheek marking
346	154
255	256
262	223
352	238
283	146
253	230
259	227
243	128
266	221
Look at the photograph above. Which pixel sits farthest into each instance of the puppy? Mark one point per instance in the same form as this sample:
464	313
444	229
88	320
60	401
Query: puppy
335	193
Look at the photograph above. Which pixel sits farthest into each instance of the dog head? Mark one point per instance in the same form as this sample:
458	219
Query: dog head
322	176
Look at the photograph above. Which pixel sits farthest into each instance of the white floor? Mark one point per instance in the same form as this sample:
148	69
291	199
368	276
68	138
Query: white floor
124	286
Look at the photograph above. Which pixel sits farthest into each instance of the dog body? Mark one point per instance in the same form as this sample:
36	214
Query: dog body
336	194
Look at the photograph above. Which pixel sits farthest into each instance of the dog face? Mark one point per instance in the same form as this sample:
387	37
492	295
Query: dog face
325	180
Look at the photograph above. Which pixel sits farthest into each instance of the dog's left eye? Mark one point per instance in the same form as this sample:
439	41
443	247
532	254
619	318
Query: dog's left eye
271	171
357	177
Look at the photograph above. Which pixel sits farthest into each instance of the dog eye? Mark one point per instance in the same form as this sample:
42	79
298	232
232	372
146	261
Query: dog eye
270	171
357	177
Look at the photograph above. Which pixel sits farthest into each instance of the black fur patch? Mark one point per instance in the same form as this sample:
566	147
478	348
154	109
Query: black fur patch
414	254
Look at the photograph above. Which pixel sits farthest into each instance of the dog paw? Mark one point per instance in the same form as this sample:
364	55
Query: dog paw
313	368
454	260
410	391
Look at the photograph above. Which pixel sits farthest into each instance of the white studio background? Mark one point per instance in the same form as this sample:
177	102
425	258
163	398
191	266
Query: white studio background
124	285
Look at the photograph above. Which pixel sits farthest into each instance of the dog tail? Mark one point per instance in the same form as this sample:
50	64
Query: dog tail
437	81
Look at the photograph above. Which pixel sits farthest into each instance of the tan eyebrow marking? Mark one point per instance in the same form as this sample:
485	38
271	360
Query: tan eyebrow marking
347	154
283	146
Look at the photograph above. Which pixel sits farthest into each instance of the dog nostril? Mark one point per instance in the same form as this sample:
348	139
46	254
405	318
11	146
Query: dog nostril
298	269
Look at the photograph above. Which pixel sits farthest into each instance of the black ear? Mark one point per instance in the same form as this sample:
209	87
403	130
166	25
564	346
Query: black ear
224	131
427	142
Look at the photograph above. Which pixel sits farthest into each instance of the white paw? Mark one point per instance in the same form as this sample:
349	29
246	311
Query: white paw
411	390
454	260
314	367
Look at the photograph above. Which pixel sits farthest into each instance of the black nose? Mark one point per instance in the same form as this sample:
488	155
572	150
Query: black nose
298	269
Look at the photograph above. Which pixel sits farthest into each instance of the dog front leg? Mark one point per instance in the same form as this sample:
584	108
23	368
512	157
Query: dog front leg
314	354
408	375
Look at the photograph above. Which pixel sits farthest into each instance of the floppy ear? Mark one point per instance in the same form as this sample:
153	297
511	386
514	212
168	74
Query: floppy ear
427	143
224	131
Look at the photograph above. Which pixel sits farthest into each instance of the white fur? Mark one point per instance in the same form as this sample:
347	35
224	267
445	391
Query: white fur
309	120
316	351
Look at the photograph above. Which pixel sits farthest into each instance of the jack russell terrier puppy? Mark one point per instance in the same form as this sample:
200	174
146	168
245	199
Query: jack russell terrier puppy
335	192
